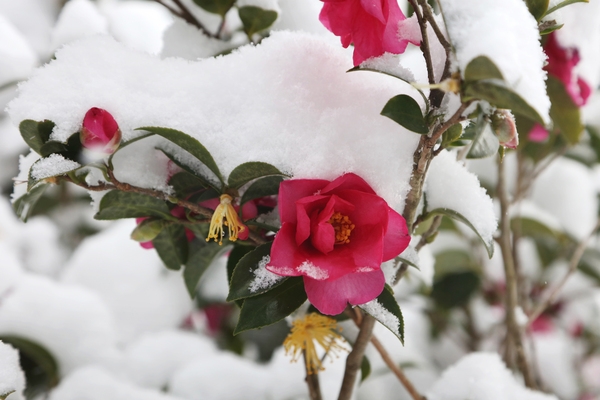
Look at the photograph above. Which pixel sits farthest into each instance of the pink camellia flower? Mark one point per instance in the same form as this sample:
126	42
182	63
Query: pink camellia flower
372	25
336	235
100	131
561	63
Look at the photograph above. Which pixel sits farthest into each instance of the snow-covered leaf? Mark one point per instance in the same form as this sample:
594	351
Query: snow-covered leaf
35	134
488	243
386	310
404	110
246	172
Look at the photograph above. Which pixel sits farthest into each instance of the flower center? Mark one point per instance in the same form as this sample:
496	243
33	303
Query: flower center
343	227
225	215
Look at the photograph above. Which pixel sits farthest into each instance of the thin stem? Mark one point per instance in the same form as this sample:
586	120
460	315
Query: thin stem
185	14
573	263
312	381
354	360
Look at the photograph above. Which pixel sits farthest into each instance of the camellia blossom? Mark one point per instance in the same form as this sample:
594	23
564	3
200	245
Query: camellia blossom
336	235
100	131
372	25
309	330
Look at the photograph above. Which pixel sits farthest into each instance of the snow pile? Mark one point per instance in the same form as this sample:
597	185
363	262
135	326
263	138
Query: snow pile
12	378
506	33
481	376
17	59
287	101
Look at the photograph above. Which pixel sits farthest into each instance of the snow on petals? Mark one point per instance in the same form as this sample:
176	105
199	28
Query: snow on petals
372	25
336	235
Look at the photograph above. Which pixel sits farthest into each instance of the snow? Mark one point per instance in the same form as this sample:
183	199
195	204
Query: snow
450	186
53	165
301	15
25	163
263	278
264	4
307	116
506	33
141	294
17	59
78	19
12	377
481	376
380	313
313	271
390	64
556	362
186	41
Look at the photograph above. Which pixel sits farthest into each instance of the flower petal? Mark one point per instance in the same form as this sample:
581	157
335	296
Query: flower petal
396	238
348	181
284	252
294	189
331	296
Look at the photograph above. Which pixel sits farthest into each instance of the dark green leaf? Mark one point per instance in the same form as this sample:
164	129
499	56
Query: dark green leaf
453	290
563	111
71	149
267	186
256	19
452	134
365	369
387	311
537	8
453	261
564	3
206	182
272	306
35	134
189	144
549	26
243	274
404	110
246	172
148	229
489	243
497	93
25	204
533	228
485	142
216	6
186	184
171	244
116	205
235	256
198	263
482	68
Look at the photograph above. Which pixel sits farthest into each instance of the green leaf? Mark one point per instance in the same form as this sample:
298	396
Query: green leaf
216	6
563	4
533	228
185	184
386	310
206	181
563	111
71	149
453	261
404	110
117	204
4	395
489	243
198	263
485	142
365	369
42	371
244	274
267	186
25	204
537	8
189	144
497	93
171	244
455	289
256	19
148	229
452	134
549	26
482	68
272	306
248	171
35	134
32	182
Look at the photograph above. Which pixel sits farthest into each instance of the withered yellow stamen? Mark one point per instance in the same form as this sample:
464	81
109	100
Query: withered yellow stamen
310	330
343	227
225	215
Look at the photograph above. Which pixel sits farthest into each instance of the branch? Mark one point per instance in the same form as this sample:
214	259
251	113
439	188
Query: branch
577	254
185	14
312	380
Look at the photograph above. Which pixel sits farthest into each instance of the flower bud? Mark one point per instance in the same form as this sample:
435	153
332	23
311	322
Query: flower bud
503	124
100	131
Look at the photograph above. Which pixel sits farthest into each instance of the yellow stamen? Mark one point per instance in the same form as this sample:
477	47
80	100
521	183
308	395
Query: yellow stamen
343	227
225	215
305	332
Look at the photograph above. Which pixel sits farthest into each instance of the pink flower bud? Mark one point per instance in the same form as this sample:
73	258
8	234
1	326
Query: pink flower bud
100	131
503	124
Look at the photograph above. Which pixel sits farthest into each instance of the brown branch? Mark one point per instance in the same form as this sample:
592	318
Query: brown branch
354	360
573	263
186	14
410	388
312	381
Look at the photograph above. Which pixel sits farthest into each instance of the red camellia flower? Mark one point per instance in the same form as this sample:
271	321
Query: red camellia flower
100	131
336	235
372	25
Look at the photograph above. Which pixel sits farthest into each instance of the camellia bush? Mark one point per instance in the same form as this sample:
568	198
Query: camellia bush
400	197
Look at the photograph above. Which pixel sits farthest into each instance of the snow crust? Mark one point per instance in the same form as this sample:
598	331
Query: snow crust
12	377
506	33
450	185
287	101
17	59
379	312
263	278
53	165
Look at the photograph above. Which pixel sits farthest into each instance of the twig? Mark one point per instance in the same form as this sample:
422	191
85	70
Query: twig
354	360
412	391
312	381
185	14
573	263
